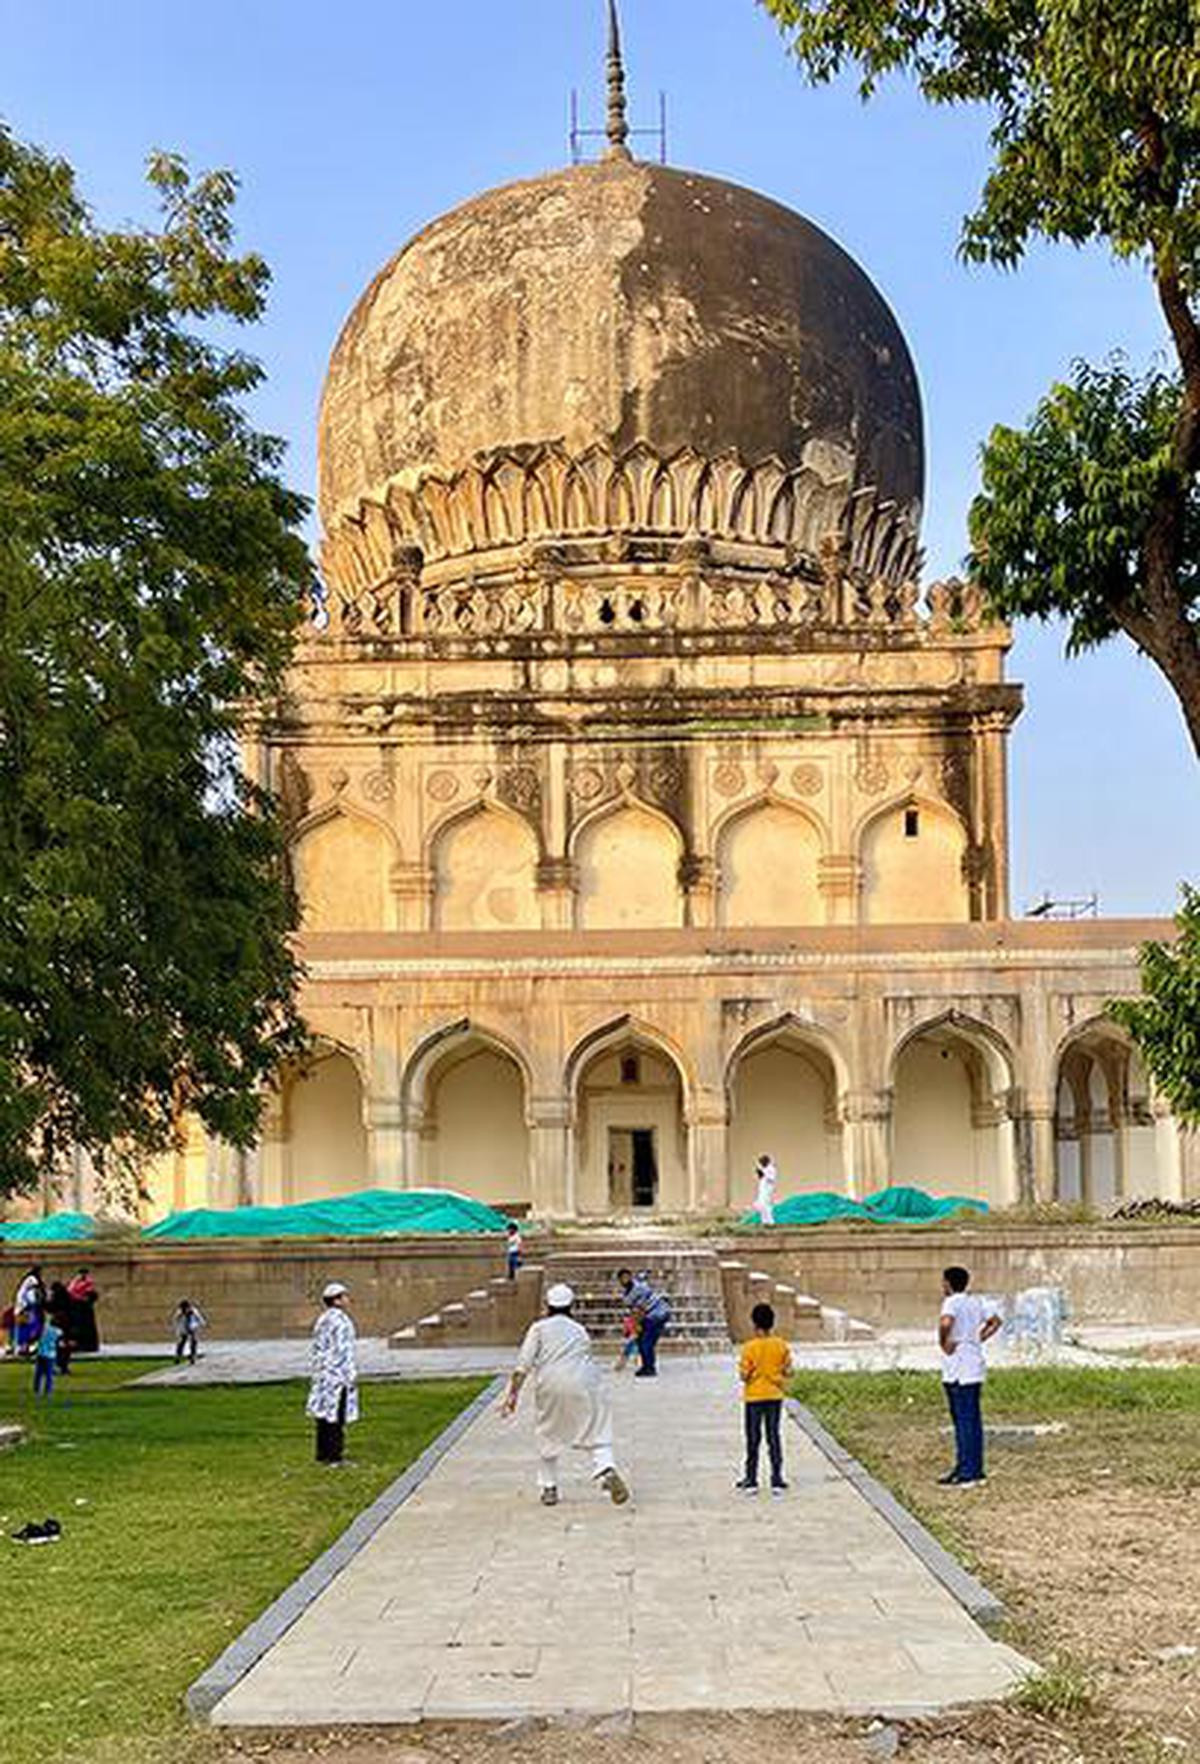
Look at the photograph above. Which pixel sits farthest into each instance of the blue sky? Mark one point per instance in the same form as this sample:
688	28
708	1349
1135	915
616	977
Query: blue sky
352	125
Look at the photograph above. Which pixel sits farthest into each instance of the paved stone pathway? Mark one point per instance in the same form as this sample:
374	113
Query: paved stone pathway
473	1600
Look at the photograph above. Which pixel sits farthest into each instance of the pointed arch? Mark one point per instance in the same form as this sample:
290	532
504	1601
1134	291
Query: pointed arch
323	1122
465	1100
629	1086
952	1079
627	855
768	855
913	854
341	857
483	861
785	1081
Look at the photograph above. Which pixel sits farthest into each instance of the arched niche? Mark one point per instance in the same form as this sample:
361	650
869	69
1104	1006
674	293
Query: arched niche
783	1100
324	1133
472	1122
951	1129
767	861
1108	1141
631	1145
912	866
341	865
484	867
627	862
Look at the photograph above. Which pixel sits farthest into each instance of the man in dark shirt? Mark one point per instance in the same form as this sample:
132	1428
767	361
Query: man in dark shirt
650	1311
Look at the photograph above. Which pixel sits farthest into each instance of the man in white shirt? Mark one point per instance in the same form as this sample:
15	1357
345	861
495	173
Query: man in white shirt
965	1324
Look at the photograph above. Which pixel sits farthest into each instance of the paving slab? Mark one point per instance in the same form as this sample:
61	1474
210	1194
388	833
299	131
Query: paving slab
472	1601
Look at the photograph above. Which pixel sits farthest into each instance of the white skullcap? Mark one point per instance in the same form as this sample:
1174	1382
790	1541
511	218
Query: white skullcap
560	1297
335	1289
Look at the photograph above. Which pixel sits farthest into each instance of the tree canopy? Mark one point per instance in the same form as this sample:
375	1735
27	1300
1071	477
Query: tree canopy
151	580
1165	1022
1090	513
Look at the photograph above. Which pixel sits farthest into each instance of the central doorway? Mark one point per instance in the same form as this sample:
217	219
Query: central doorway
632	1168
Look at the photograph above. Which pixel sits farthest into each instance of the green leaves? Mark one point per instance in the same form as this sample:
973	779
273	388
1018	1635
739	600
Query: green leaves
1095	108
1165	1021
1060	527
152	579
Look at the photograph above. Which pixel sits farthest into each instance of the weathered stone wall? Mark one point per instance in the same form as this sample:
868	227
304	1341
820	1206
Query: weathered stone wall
889	1278
259	1291
892	1278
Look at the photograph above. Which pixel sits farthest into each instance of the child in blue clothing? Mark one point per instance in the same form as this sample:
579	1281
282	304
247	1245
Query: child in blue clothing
45	1362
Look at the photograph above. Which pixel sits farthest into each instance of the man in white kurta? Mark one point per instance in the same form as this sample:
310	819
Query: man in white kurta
764	1200
333	1392
572	1403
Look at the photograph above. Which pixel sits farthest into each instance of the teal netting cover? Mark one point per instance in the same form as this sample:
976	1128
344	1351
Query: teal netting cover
58	1228
375	1212
890	1206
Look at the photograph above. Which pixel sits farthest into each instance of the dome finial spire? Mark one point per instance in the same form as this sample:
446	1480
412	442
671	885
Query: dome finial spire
618	121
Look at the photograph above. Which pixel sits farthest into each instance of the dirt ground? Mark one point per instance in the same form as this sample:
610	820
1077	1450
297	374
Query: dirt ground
1090	1537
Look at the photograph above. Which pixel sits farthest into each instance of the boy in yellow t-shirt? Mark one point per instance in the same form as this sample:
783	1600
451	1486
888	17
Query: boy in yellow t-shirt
765	1367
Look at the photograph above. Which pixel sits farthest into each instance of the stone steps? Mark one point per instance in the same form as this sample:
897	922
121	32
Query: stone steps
710	1302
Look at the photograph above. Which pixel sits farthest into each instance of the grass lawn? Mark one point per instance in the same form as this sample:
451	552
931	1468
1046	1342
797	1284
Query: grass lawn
1089	1537
184	1513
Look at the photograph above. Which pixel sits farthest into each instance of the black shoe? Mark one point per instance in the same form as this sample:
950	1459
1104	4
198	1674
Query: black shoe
779	1488
948	1479
745	1487
643	1373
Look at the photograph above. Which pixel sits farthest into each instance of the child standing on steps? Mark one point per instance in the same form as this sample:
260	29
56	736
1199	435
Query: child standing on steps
512	1250
765	1366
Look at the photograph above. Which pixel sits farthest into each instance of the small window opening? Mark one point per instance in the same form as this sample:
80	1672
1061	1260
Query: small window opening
630	1069
637	611
912	823
607	613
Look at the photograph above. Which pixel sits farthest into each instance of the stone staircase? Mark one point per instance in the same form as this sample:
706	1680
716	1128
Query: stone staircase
690	1276
711	1301
495	1315
798	1316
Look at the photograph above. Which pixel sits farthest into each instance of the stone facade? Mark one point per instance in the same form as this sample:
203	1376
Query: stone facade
647	811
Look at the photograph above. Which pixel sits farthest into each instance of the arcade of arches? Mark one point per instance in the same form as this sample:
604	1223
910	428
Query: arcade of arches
627	1121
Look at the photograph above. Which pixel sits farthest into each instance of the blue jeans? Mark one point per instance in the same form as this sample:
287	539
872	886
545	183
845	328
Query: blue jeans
652	1328
43	1376
763	1417
967	1415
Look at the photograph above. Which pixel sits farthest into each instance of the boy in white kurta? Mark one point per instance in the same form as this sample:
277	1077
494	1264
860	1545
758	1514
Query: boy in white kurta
572	1405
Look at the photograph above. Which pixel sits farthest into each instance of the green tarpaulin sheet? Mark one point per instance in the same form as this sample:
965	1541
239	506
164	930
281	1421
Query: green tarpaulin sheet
890	1206
373	1213
58	1228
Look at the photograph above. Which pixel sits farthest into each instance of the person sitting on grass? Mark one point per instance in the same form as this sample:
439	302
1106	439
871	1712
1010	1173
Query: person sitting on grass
765	1366
966	1322
45	1359
188	1320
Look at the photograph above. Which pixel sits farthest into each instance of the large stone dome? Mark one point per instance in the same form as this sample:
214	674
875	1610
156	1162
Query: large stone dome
620	306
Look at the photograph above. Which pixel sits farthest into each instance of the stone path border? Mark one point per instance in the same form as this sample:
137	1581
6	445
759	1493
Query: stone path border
971	1594
250	1646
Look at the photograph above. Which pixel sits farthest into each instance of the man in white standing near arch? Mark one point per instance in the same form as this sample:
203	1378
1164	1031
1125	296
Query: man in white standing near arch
572	1402
766	1176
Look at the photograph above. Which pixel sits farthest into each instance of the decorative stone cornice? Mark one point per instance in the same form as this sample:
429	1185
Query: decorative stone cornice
511	498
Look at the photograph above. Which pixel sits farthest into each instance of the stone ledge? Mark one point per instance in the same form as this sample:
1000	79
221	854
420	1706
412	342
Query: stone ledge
971	1594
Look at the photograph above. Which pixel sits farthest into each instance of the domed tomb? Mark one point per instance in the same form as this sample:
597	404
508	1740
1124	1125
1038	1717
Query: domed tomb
621	348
